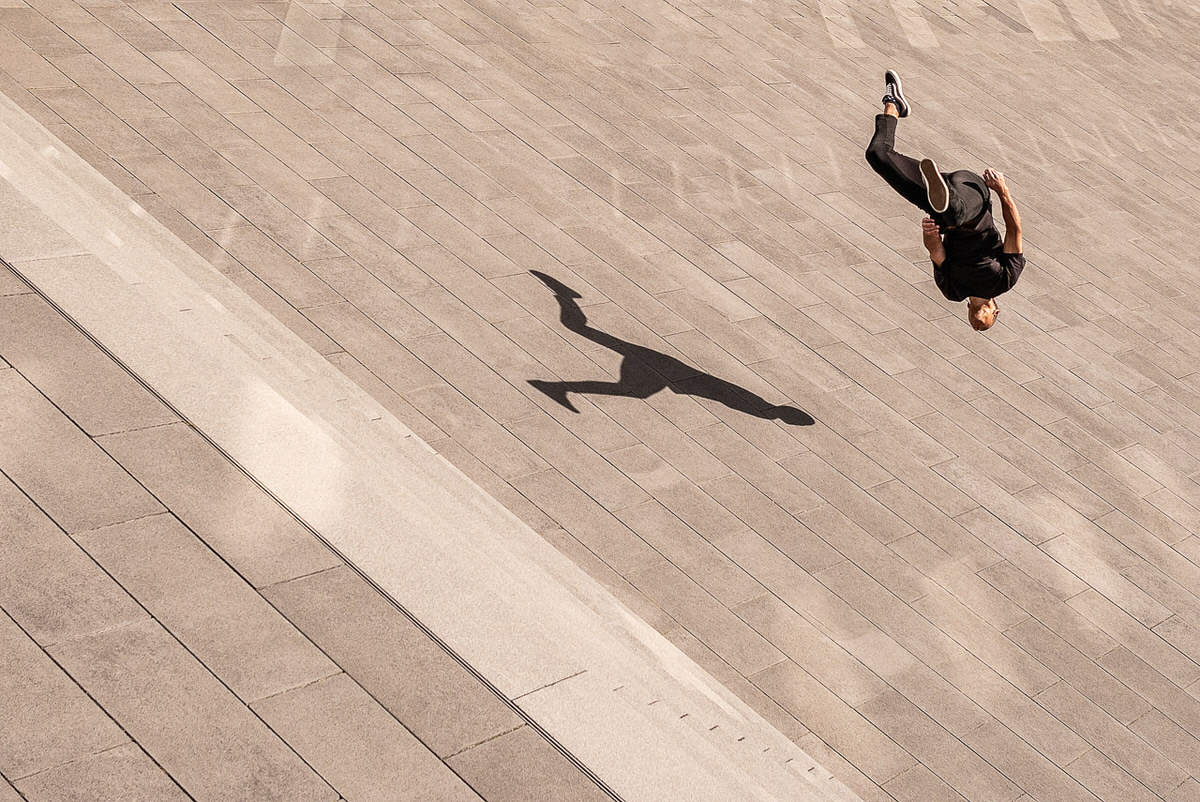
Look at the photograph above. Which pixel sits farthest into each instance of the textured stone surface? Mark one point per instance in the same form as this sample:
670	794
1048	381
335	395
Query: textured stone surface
125	772
48	720
185	719
696	174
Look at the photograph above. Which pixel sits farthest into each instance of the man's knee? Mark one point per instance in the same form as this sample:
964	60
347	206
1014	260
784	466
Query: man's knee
876	155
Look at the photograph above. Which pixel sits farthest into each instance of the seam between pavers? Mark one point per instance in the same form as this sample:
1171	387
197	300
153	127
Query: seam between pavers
429	633
149	615
489	739
248	704
76	682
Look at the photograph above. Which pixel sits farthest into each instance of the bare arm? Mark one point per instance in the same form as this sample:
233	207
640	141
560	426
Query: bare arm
931	238
1012	218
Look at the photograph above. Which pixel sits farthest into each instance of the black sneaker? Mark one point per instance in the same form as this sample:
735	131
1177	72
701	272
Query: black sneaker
935	186
895	92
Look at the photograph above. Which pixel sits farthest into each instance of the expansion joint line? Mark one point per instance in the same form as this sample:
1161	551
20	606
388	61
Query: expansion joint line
509	702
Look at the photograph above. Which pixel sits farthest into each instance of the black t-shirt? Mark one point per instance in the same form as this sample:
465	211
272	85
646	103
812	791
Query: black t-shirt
975	262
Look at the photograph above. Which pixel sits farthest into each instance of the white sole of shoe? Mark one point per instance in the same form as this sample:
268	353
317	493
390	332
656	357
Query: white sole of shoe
935	186
892	78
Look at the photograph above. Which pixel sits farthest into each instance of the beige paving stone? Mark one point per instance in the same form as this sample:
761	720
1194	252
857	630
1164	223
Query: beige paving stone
785	532
946	756
776	483
1011	545
919	783
840	726
356	746
29	234
867	789
208	607
1133	754
658	133
489	390
48	720
72	372
250	531
184	718
123	772
811	649
1024	764
297	236
1116	699
38	441
396	663
177	187
1169	738
51	587
282	310
959	581
210	87
1184	791
27	65
110	132
263	257
1135	637
575	510
371	345
703	616
490	769
11	284
1107	780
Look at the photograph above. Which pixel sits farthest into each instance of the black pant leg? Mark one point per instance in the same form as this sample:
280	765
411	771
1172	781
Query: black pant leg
903	173
969	197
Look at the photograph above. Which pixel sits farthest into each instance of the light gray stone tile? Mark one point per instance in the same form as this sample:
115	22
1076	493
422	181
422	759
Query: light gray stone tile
122	773
220	618
61	469
47	583
228	511
185	719
47	719
409	674
356	745
82	381
520	766
27	232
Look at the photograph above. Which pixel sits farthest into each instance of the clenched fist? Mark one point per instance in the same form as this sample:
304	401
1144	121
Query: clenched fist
995	180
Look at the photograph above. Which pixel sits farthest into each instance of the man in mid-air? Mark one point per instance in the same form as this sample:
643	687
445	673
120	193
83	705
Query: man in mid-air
971	261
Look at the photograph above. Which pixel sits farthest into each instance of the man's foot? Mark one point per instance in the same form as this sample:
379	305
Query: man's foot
935	186
895	93
555	390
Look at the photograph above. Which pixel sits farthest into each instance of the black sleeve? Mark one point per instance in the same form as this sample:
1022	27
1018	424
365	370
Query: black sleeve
1013	264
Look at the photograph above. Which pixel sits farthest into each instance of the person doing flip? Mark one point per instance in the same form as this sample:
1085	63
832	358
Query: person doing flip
971	261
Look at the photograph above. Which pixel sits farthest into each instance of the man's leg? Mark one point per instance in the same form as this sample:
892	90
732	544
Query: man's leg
902	173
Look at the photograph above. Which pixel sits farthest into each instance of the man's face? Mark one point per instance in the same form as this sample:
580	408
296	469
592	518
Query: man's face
981	314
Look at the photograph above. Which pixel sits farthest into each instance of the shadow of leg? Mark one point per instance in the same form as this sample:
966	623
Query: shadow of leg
731	395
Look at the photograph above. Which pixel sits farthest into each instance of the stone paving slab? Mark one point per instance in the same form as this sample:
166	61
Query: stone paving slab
150	629
513	612
988	527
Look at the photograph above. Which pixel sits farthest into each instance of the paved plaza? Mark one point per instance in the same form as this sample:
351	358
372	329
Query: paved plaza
520	400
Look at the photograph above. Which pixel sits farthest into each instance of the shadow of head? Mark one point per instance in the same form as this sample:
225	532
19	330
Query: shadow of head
560	289
789	415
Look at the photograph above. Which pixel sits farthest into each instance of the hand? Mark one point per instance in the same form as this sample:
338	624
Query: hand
930	233
995	180
933	241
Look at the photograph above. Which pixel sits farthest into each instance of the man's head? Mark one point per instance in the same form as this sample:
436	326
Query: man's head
982	312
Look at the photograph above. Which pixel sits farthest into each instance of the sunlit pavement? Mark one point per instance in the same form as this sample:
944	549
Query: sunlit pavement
940	564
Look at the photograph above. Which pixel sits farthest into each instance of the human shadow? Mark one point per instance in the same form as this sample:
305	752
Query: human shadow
645	371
